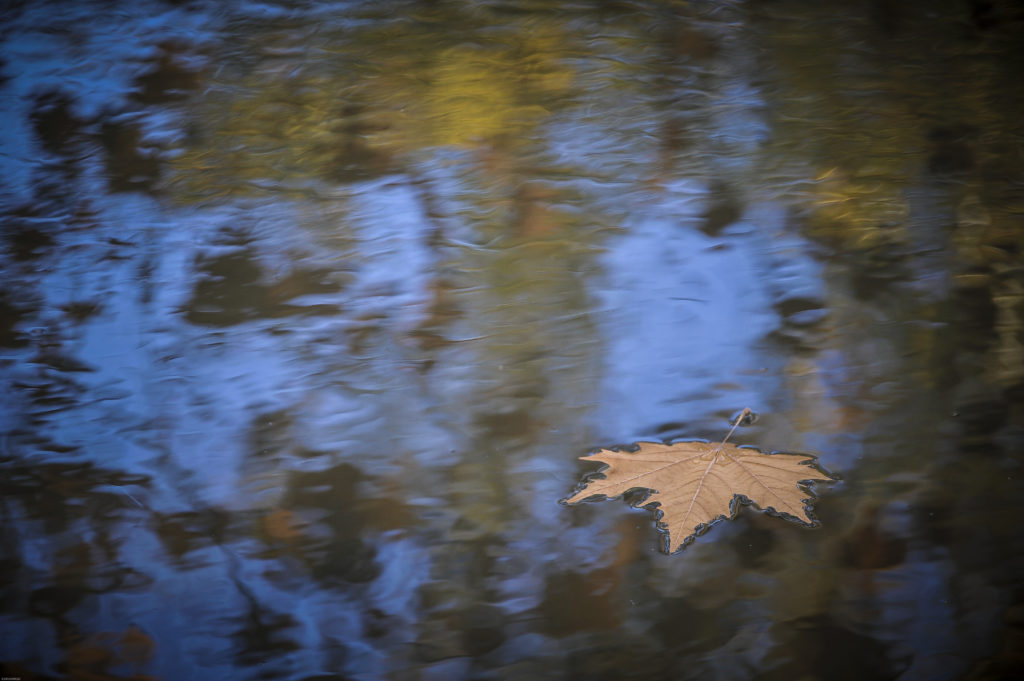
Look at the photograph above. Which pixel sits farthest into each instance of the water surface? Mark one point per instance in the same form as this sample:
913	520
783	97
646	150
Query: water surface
308	310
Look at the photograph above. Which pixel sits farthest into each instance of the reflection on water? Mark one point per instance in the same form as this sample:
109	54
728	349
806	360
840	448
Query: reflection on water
308	310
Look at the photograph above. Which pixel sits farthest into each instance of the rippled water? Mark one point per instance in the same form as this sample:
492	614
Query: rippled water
309	309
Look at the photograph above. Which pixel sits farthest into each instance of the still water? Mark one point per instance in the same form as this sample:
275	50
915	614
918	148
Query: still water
309	309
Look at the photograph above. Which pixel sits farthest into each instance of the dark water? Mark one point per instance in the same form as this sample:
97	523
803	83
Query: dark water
308	310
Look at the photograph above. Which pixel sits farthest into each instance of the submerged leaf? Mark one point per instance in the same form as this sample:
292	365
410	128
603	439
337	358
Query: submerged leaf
697	483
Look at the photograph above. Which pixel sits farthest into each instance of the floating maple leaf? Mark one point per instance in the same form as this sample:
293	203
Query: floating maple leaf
697	483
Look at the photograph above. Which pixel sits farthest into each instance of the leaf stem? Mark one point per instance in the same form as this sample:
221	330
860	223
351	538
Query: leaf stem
739	420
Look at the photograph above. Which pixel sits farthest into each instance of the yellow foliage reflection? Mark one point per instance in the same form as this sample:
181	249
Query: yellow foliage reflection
299	117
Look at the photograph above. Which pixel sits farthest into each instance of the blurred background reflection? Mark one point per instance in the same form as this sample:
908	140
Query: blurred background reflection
308	309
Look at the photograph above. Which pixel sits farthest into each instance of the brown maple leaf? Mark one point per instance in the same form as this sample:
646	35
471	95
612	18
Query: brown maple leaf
697	483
